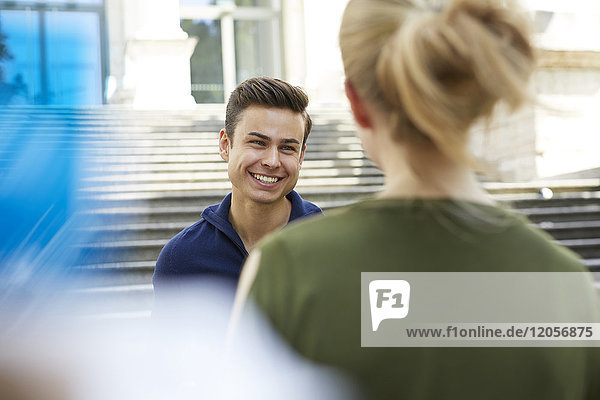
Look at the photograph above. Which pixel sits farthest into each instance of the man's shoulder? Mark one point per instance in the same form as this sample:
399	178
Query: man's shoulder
189	234
191	231
191	250
311	208
201	248
302	208
181	244
194	234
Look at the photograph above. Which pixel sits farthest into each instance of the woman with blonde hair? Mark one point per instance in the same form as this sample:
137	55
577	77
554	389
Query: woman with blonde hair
419	75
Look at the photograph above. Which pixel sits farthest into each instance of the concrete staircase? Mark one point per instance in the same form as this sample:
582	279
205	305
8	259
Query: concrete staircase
151	173
571	216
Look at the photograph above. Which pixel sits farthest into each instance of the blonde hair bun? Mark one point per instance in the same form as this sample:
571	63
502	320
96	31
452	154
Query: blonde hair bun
437	69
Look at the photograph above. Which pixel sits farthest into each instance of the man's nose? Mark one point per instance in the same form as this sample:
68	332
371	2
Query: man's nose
271	158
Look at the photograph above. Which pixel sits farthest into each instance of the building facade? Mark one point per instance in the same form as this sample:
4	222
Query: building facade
164	53
181	53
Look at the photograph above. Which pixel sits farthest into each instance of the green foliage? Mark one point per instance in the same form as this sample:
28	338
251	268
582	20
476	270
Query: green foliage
4	54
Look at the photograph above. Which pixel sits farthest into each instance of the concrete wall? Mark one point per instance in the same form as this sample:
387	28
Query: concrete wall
568	133
563	134
324	69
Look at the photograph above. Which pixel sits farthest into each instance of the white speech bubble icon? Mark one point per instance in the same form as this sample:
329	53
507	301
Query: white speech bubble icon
389	299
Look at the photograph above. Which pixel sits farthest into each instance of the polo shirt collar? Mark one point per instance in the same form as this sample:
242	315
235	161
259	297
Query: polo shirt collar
297	206
218	215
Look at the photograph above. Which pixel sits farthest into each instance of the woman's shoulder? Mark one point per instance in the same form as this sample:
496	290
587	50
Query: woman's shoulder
383	212
333	220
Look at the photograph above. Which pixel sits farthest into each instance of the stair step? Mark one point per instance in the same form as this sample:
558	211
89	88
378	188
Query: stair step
108	278
212	157
115	274
593	264
562	214
586	248
195	139
126	244
132	231
224	185
219	194
109	151
172	216
144	215
119	266
219	166
572	230
110	299
122	251
93	129
223	176
574	199
561	186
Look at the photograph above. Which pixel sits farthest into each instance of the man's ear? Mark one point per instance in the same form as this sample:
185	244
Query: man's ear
302	154
224	145
358	106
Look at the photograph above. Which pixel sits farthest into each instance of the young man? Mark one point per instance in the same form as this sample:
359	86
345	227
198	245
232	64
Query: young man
264	140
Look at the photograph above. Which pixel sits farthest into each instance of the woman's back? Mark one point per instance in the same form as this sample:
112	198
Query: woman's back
309	287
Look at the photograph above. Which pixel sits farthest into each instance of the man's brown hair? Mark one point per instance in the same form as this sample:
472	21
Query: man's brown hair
267	92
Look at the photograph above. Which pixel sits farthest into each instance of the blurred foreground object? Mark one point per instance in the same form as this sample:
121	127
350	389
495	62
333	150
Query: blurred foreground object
179	357
40	175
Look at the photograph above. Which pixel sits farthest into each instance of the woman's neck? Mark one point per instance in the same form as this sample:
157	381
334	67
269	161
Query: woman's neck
430	174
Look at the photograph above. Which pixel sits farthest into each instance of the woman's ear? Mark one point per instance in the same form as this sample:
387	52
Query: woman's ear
224	145
359	109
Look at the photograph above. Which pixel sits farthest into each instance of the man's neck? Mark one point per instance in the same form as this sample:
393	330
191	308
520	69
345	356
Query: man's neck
252	221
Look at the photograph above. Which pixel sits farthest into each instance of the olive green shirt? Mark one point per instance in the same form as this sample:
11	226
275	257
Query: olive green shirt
308	285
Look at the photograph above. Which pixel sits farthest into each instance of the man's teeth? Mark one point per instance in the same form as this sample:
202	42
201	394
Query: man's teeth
265	179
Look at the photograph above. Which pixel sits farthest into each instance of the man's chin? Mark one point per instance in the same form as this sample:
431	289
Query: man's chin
267	198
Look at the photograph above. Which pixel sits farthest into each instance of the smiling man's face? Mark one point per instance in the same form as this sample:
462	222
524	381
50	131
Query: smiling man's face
265	154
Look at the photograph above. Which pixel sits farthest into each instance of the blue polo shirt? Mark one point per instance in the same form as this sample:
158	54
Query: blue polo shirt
211	247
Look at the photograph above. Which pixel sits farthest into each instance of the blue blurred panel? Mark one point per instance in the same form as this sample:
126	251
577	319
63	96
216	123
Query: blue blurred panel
74	58
41	171
22	73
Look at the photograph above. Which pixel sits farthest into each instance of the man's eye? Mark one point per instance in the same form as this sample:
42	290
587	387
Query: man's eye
288	148
258	142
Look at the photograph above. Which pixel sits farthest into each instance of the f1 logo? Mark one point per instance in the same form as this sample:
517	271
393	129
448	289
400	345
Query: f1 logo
389	299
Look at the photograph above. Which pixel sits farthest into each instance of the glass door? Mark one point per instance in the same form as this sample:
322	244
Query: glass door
206	61
55	53
236	40
73	58
20	82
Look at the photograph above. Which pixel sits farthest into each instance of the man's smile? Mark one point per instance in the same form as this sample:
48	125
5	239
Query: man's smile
265	179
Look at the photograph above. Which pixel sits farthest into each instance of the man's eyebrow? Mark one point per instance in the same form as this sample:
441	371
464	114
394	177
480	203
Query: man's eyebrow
289	141
268	139
260	135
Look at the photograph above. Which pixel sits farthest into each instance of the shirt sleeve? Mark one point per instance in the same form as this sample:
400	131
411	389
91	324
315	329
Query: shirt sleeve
162	281
163	264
